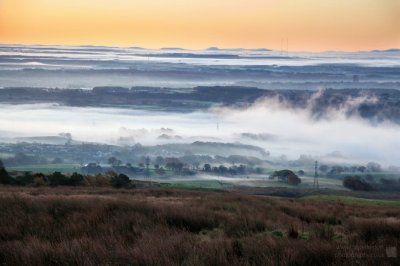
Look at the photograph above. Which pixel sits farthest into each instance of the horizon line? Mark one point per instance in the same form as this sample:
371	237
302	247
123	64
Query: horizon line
200	49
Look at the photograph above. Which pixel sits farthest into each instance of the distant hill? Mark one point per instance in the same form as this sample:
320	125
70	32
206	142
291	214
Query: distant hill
383	104
394	50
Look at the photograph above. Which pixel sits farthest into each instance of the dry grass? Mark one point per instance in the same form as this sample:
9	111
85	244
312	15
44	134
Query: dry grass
103	226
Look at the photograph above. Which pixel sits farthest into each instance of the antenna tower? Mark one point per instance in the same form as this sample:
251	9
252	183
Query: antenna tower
287	47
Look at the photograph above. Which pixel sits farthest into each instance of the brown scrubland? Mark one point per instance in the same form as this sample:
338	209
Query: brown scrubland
157	226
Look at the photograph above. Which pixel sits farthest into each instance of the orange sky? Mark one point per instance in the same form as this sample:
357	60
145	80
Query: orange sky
312	25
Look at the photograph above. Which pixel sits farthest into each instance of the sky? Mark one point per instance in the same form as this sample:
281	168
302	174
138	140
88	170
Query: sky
308	25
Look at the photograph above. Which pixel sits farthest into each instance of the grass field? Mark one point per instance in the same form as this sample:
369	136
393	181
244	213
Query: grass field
47	168
203	184
158	226
353	200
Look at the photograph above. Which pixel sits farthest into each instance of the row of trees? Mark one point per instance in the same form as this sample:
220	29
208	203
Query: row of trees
191	161
39	179
59	179
369	183
223	170
337	169
179	167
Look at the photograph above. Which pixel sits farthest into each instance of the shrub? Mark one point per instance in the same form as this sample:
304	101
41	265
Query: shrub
39	179
292	233
277	234
4	177
25	180
76	179
119	181
57	179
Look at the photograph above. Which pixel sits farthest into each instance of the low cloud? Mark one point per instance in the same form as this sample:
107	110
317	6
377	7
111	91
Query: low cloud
300	131
273	124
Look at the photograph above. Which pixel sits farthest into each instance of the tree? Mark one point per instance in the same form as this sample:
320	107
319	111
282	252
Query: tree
57	179
26	179
222	169
207	167
159	160
174	164
336	169
39	179
187	171
323	168
286	176
112	161
361	169
4	176
354	169
241	169
357	183
76	179
160	171
374	167
119	181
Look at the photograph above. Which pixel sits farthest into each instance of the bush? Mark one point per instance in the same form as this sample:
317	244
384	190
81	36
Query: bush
292	233
120	180
57	179
4	177
26	179
39	180
277	234
76	179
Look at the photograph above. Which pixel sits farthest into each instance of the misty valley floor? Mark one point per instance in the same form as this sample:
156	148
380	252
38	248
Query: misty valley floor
154	226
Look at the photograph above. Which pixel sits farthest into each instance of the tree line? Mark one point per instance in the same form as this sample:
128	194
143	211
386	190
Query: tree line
60	179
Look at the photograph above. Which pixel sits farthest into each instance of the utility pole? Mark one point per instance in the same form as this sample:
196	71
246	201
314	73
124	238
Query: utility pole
316	185
147	167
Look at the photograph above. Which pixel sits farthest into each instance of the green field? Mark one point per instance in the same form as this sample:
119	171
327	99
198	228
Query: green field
202	184
306	183
331	183
47	168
